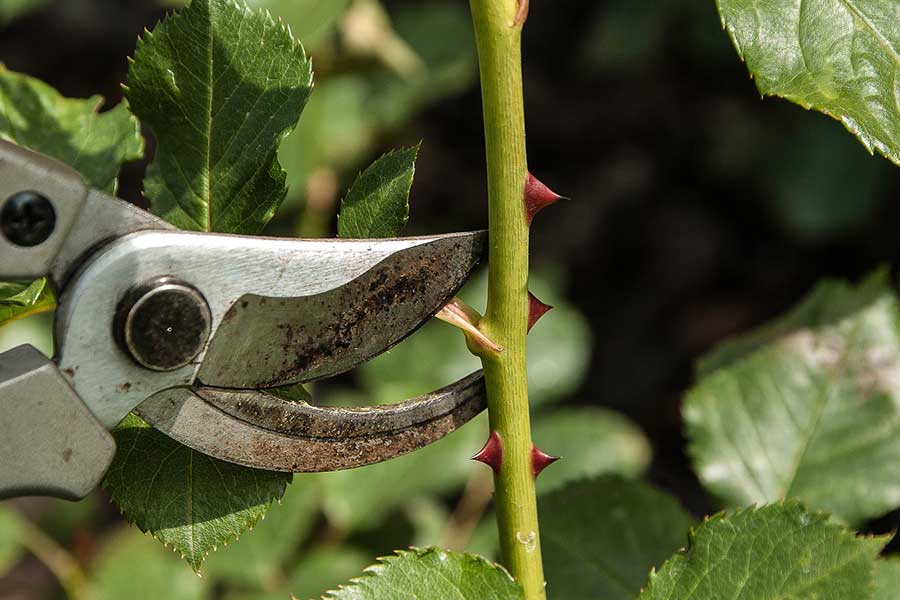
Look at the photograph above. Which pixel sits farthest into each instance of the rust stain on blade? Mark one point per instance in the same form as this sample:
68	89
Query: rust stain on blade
324	439
268	342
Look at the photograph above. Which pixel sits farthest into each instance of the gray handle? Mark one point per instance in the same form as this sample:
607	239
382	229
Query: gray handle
50	443
24	171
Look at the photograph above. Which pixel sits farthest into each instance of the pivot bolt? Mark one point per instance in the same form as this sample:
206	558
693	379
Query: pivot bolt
163	324
27	219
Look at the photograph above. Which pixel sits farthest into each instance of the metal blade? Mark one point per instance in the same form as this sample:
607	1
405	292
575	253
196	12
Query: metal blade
101	220
258	430
419	275
266	342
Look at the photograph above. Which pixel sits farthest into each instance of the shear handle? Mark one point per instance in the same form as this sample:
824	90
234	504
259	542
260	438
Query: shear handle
50	442
40	200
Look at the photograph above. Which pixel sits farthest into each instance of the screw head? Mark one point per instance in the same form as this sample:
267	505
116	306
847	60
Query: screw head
27	219
164	324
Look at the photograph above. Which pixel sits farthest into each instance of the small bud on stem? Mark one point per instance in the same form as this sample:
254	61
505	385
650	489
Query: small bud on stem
522	14
461	315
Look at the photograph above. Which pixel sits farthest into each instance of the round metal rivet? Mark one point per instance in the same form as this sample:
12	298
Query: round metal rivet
164	324
27	219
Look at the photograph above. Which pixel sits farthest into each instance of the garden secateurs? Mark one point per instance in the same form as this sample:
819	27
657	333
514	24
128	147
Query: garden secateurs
189	330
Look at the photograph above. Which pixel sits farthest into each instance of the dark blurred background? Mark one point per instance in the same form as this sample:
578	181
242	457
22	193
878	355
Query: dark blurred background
698	211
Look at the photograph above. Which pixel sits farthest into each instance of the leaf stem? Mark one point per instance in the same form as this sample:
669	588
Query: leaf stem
498	37
62	564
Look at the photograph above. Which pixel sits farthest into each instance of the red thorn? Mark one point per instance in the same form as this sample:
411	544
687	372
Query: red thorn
492	453
537	197
536	310
540	460
521	14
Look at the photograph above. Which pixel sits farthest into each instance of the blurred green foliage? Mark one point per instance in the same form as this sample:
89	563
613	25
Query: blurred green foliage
10	535
329	526
633	528
131	565
12	9
376	69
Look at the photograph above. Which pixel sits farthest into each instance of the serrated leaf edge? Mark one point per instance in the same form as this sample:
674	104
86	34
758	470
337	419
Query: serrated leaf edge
816	516
277	22
375	569
415	150
869	143
249	526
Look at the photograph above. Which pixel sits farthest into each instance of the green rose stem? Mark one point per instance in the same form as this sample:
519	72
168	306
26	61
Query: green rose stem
498	32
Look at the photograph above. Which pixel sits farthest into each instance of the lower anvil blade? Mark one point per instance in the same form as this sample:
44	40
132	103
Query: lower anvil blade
267	342
260	431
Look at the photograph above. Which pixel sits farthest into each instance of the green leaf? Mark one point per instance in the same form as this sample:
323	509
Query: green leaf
261	556
600	538
887	578
829	302
590	442
220	86
377	205
770	553
840	57
34	115
184	498
427	574
815	415
133	566
20	300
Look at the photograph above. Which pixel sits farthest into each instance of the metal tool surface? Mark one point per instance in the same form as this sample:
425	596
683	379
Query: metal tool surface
190	328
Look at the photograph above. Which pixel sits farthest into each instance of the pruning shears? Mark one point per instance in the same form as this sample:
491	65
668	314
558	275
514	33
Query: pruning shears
189	330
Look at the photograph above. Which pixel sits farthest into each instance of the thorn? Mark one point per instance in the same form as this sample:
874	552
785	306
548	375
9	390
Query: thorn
459	314
492	452
537	197
536	310
522	14
540	460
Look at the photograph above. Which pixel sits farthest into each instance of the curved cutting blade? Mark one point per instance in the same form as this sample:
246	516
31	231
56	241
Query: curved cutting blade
265	342
283	310
262	431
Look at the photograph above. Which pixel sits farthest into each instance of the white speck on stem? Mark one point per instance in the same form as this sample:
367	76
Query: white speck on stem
529	541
